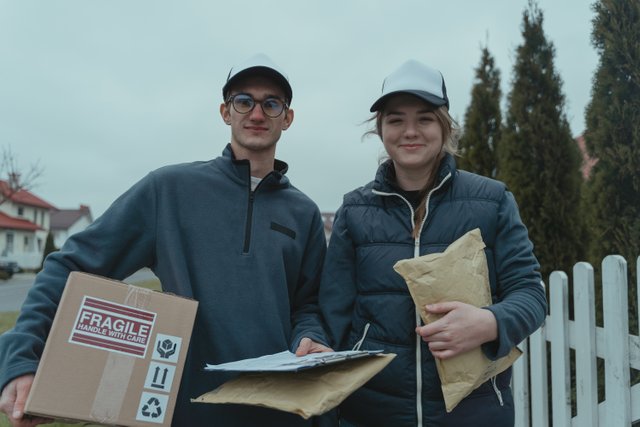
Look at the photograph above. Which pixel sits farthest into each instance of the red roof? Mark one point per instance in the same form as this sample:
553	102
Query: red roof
64	218
12	223
23	197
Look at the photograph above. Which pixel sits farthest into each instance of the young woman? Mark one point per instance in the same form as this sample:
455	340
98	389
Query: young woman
419	203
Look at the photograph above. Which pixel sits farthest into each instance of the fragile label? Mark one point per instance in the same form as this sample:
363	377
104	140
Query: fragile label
113	327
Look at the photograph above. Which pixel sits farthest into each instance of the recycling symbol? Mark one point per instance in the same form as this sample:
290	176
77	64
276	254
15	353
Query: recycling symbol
152	408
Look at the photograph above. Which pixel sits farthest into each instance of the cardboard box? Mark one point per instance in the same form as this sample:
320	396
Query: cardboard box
115	354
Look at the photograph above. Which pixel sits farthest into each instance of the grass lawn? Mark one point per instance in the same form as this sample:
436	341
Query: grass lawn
8	319
153	284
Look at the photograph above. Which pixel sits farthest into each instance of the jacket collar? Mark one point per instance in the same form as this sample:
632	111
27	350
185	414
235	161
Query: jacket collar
385	179
240	170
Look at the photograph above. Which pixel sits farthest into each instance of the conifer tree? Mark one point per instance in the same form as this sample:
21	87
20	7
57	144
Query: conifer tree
49	247
613	134
482	120
612	193
537	156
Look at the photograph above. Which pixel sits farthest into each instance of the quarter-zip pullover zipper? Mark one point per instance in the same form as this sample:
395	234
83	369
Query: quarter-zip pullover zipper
247	228
416	254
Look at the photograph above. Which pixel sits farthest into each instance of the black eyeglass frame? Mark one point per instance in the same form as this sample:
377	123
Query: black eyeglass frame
285	105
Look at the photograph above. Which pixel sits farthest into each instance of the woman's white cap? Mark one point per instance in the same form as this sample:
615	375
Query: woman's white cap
417	79
259	64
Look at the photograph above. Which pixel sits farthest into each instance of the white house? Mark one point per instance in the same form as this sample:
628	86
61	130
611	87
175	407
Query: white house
65	222
24	224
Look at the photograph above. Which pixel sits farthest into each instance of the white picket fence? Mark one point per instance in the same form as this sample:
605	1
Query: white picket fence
613	342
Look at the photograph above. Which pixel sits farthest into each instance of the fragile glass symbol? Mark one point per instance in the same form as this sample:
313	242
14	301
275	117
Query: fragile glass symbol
166	348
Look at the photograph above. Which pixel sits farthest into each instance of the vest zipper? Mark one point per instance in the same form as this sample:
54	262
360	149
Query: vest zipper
416	254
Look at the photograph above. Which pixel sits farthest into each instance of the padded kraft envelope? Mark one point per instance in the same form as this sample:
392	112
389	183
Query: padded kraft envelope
460	273
307	393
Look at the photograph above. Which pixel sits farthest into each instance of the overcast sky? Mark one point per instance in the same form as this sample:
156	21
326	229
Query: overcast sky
101	92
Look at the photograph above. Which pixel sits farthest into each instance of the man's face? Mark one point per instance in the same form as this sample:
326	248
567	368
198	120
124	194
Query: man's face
255	132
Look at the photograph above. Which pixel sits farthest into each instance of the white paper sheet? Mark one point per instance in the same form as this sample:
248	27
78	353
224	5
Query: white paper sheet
289	362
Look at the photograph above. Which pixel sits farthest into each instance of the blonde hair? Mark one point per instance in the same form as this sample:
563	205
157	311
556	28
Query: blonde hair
450	138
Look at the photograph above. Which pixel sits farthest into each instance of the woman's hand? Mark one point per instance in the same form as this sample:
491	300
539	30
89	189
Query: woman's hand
462	327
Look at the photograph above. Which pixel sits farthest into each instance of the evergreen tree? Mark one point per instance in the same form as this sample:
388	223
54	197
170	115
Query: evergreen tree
482	120
613	134
612	193
537	156
49	247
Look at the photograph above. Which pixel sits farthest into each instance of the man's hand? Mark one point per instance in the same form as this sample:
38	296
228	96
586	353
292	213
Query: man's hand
307	346
462	327
14	395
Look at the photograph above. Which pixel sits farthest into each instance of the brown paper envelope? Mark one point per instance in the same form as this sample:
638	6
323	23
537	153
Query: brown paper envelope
460	273
307	393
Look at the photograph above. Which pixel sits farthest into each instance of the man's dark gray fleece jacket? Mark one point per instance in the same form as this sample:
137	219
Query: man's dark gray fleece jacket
252	260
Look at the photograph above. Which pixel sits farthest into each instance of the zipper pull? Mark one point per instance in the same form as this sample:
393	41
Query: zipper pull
357	346
498	393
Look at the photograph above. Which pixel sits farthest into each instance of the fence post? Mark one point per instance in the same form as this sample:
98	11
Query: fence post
520	380
634	352
616	339
585	345
560	370
539	371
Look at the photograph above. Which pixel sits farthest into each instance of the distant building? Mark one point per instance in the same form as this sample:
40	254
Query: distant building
24	224
65	222
327	219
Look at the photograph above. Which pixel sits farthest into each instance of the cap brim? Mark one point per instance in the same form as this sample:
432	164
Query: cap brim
260	71
425	96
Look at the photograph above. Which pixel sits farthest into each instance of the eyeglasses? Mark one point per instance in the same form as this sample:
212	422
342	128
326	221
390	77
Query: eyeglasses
244	104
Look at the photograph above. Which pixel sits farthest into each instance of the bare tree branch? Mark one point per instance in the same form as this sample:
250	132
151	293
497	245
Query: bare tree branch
15	179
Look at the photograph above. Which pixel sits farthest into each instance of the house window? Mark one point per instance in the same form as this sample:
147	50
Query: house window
39	244
20	211
26	243
42	218
9	247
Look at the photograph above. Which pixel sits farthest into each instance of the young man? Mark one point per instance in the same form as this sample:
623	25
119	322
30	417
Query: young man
232	233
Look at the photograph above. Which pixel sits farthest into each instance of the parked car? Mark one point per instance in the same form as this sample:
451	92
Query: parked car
8	268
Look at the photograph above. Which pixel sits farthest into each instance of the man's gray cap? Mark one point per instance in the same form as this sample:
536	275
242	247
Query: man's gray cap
417	79
259	64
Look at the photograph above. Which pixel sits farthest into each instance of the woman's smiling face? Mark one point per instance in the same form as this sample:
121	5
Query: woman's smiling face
411	134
